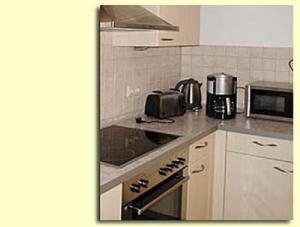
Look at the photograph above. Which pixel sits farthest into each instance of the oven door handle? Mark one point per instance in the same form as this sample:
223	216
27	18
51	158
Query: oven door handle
140	210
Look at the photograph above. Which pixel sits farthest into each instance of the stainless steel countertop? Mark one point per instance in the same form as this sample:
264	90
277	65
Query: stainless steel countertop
192	126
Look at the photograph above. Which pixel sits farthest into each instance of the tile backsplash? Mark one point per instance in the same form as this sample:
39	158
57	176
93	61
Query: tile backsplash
246	63
124	68
143	71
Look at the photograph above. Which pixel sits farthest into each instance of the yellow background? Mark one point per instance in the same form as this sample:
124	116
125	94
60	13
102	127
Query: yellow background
48	95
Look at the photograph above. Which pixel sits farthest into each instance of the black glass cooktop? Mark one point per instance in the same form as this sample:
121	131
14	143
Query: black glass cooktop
119	145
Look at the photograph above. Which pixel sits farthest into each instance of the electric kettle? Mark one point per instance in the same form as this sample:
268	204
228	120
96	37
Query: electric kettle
191	90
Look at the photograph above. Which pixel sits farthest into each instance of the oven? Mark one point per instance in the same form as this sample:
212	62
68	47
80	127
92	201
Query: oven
269	100
158	192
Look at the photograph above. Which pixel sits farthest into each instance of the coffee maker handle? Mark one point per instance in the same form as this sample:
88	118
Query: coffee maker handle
228	109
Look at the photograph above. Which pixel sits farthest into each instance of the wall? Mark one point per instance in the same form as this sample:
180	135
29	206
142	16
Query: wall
270	26
247	63
152	69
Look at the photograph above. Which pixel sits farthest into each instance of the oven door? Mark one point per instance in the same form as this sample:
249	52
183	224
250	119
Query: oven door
271	104
163	202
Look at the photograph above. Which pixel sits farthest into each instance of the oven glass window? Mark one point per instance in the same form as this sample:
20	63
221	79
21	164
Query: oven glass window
269	103
168	208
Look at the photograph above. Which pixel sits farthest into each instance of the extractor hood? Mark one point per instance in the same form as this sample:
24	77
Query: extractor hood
129	18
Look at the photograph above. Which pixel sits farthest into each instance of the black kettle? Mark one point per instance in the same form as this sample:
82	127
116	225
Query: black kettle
191	90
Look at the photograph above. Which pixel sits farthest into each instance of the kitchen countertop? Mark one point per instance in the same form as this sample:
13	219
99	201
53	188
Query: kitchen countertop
191	127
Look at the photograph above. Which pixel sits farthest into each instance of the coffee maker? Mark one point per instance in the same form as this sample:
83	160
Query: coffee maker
221	96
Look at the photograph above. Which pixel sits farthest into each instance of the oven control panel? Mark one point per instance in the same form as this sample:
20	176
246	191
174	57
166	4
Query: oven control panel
155	174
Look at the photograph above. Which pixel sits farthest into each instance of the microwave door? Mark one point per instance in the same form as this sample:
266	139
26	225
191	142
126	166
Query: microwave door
271	103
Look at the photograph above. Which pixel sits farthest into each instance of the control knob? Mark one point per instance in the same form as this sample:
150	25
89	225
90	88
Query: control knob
175	163
135	188
163	171
143	183
172	166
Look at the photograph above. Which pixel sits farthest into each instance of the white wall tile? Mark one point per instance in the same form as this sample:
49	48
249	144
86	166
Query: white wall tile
196	60
256	64
197	50
231	62
269	75
243	63
282	65
220	51
269	64
283	53
256	52
152	69
281	76
186	50
208	50
220	61
244	52
186	71
208	61
231	51
186	60
269	52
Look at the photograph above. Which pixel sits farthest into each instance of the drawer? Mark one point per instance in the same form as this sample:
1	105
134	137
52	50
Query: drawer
200	148
260	146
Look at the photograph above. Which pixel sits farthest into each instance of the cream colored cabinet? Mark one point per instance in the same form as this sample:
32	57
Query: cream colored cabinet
258	188
260	146
111	204
198	188
259	178
198	192
186	17
218	179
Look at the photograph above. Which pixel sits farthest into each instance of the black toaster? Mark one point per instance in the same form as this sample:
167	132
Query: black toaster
165	104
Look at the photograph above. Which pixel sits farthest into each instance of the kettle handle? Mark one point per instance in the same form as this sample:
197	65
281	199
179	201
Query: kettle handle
180	83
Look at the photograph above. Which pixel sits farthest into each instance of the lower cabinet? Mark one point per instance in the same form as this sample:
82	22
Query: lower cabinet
111	204
198	190
258	188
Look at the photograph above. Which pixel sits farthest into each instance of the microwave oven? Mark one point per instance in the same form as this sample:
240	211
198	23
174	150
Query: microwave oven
269	100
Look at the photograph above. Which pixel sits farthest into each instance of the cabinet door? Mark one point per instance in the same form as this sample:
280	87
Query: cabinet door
258	188
138	38
260	146
186	17
188	20
111	204
198	190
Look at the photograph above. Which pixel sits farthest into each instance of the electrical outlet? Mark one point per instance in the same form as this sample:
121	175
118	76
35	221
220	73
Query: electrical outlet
129	91
136	91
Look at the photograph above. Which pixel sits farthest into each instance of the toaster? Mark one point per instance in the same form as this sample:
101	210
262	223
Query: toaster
164	104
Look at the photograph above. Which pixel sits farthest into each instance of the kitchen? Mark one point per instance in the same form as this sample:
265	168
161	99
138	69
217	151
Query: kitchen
224	162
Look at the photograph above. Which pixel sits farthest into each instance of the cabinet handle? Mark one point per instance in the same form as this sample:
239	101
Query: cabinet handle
279	169
199	170
262	145
271	145
202	146
166	39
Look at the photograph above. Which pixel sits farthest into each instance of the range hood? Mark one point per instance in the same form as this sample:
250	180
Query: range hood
131	18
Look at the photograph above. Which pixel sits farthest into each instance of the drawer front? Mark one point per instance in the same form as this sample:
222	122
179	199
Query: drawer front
200	148
260	146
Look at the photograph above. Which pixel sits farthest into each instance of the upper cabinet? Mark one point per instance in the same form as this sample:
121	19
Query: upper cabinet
260	25
186	17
